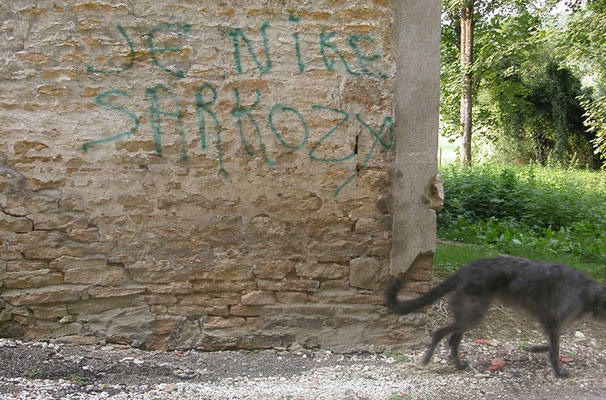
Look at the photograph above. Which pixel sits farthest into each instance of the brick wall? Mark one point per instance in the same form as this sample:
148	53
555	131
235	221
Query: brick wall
200	174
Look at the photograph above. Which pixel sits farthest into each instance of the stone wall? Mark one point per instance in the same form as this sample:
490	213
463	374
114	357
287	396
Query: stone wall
209	174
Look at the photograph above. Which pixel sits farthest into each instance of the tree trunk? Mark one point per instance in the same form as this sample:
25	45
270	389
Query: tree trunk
466	61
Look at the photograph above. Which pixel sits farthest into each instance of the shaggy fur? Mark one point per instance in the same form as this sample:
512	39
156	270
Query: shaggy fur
552	292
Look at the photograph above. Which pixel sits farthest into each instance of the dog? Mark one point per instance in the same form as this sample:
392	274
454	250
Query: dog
554	293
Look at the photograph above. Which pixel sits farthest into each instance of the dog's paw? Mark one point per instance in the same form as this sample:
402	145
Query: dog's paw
562	374
461	365
426	358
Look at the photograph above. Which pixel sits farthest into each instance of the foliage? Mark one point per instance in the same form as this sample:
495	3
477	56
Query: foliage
537	212
528	98
538	113
580	42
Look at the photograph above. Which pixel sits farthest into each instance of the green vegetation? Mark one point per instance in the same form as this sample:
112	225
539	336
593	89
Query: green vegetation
398	357
535	212
449	257
77	379
539	79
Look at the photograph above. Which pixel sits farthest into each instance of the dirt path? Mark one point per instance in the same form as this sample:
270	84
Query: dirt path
54	371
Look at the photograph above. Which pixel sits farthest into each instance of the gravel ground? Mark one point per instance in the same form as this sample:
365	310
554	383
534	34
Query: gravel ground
40	370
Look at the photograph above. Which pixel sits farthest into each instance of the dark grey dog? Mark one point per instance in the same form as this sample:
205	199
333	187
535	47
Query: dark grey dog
552	292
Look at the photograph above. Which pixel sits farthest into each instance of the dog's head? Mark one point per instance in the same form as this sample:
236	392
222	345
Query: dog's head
599	303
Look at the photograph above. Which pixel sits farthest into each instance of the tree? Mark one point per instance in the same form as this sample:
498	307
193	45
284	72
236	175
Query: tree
459	20
466	56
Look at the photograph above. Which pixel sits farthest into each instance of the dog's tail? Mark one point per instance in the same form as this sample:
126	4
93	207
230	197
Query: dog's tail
404	307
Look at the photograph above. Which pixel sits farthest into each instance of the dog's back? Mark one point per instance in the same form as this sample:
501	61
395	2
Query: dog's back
546	289
553	292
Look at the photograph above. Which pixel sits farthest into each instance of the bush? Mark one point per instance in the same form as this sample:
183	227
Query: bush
530	211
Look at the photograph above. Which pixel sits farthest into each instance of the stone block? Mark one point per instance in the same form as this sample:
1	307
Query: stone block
51	253
84	235
43	295
77	340
195	311
170	288
26	266
365	226
15	224
165	325
48	221
260	341
65	262
207	300
223	286
222	322
322	271
152	271
249	311
274	269
165	299
32	279
289	285
9	253
292	297
224	272
101	291
49	312
5	315
258	298
102	275
368	273
421	268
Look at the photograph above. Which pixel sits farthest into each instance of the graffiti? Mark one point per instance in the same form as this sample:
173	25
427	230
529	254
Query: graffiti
155	113
100	100
326	47
203	107
131	57
246	116
285	107
236	34
295	37
181	30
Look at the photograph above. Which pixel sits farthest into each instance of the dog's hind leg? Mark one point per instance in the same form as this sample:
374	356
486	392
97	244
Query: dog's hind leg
454	342
468	311
437	336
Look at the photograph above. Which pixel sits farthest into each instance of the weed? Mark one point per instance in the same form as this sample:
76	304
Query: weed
78	379
34	373
398	357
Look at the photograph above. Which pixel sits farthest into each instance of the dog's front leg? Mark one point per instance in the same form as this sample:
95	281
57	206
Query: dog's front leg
554	353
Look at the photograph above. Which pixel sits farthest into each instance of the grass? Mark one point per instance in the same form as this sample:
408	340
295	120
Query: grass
540	213
398	357
449	257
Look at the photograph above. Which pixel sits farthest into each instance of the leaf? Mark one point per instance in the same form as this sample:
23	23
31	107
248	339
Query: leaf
565	359
496	364
481	341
